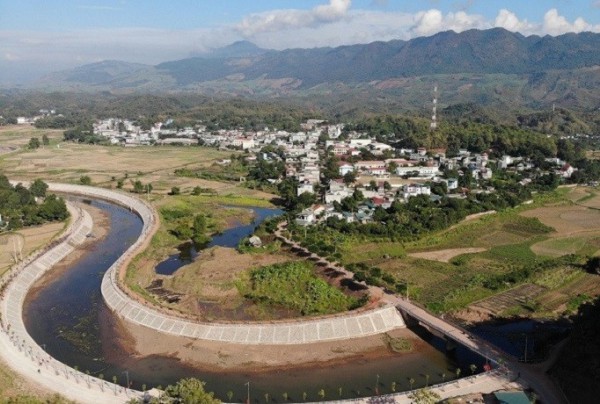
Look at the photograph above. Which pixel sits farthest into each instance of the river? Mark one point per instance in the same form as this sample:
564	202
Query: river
67	316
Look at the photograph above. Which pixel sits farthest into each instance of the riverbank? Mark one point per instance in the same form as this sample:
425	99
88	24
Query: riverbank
99	232
141	342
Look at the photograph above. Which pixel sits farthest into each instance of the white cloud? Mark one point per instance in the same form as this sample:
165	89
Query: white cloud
432	21
508	20
279	20
556	24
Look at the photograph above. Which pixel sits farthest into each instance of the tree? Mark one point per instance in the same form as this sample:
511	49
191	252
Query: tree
322	394
392	167
45	140
411	381
229	395
189	391
425	396
38	188
175	191
473	368
349	177
85	180
138	187
34	143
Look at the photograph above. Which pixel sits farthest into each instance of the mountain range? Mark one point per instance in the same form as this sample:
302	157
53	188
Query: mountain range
483	66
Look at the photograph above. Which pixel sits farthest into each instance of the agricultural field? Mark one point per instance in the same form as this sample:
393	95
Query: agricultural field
105	165
25	241
503	264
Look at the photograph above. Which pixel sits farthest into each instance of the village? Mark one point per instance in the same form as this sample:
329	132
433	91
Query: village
381	172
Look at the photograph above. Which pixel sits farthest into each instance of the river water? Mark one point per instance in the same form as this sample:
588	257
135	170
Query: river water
67	316
229	238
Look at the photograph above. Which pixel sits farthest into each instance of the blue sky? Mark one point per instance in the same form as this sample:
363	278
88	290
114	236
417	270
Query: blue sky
38	36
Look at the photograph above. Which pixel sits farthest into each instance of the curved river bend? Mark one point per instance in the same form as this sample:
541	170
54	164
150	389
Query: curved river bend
67	316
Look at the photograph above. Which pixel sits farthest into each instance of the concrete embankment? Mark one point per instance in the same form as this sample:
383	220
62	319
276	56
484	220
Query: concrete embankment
21	352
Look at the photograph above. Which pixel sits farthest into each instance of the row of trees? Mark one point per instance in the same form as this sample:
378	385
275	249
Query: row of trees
19	207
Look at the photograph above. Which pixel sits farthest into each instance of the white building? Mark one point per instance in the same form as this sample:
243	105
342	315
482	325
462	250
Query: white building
425	172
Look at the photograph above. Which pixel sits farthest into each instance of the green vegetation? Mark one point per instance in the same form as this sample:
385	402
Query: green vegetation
295	286
232	172
185	391
398	344
18	206
28	399
576	301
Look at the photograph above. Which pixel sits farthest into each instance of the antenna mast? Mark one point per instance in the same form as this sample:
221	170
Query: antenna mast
433	124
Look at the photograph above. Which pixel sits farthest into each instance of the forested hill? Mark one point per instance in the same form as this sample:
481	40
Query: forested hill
475	65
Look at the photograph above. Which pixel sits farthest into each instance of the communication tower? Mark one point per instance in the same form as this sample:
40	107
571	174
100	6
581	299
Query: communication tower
433	124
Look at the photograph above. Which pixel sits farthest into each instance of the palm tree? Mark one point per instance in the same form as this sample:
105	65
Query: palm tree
101	377
267	397
393	387
411	381
340	391
114	379
229	395
457	374
144	388
87	372
443	377
304	395
285	396
322	394
426	380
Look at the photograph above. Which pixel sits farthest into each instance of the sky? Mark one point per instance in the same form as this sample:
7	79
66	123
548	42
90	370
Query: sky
40	36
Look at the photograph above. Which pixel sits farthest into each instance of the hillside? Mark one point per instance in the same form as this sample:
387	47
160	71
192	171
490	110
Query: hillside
490	67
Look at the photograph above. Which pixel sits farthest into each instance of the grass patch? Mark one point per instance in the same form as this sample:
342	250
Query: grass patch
558	277
576	301
488	231
556	247
234	200
398	344
295	286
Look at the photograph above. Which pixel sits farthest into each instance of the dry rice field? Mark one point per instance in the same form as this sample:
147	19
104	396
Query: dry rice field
446	255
